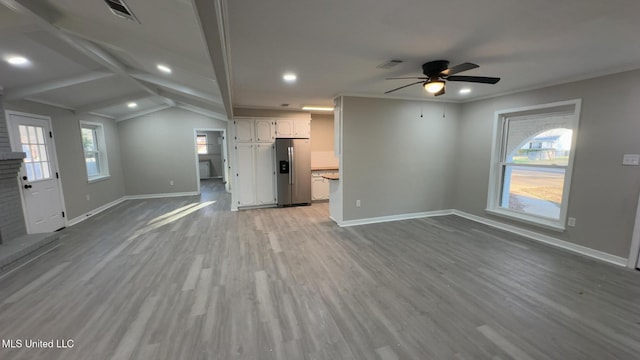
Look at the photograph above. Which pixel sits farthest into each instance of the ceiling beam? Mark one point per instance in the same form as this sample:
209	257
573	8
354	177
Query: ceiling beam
111	102
25	91
205	112
212	18
143	112
184	90
36	11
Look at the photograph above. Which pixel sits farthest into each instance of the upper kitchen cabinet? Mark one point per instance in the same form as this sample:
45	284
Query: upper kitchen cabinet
265	130
244	130
293	128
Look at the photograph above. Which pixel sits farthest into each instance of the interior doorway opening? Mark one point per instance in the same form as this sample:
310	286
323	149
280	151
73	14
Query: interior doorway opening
211	156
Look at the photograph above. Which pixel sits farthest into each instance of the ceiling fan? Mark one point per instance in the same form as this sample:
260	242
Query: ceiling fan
436	73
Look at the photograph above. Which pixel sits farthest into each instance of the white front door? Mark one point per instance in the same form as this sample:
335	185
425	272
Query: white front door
39	179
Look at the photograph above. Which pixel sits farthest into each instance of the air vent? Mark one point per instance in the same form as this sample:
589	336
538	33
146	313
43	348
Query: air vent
119	8
389	64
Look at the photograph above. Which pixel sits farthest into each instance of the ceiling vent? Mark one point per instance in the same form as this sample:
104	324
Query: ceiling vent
389	64
120	9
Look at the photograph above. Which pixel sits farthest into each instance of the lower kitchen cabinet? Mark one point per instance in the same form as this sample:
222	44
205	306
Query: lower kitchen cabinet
319	185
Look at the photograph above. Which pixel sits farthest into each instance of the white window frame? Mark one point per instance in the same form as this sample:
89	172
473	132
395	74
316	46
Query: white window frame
497	167
101	153
206	144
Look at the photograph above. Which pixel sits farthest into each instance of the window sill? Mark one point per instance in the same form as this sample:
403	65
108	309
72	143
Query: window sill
96	179
531	220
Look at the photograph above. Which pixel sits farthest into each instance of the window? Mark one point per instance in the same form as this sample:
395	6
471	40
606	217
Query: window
532	162
37	163
201	142
95	151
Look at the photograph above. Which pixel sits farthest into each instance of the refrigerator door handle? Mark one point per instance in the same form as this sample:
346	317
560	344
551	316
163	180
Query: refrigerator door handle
290	153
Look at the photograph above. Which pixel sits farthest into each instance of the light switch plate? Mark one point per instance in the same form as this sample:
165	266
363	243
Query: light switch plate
631	159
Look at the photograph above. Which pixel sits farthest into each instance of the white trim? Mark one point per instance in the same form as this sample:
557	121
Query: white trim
634	252
159	196
499	139
579	249
88	214
382	219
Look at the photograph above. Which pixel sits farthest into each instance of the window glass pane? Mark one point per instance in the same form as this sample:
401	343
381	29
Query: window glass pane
536	191
32	134
43	152
92	164
25	149
29	167
202	144
40	134
551	147
88	140
35	152
37	167
23	134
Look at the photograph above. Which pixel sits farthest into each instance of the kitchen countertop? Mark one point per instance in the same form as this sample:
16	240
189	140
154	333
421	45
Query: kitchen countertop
319	168
331	176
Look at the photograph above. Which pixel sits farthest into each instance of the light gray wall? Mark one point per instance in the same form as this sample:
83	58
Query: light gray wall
322	132
604	193
160	147
269	113
76	188
395	161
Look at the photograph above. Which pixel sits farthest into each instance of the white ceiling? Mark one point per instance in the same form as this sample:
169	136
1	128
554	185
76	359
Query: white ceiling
86	59
334	46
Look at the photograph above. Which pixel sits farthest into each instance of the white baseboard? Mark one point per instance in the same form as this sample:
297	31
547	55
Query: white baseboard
596	254
382	219
159	196
95	211
104	207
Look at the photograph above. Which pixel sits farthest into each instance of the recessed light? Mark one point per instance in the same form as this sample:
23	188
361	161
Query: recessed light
289	77
164	68
465	91
132	105
317	108
17	60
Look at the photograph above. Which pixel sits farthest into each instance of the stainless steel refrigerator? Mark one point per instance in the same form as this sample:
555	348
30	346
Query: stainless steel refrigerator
293	158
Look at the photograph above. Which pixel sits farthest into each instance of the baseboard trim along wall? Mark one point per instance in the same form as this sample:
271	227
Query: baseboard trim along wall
382	219
104	207
583	250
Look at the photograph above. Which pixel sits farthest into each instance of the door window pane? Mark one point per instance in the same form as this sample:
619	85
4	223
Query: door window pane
33	145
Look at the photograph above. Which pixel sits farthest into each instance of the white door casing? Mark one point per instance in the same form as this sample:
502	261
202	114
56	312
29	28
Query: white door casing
39	180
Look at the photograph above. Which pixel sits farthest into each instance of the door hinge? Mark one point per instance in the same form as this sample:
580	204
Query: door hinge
63	214
236	148
57	176
237	174
50	134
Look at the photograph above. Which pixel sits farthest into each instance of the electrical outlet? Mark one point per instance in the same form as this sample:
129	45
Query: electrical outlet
571	221
357	203
171	182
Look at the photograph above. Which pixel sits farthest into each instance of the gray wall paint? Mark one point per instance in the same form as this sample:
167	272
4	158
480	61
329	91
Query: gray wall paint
160	147
269	113
604	193
66	128
322	132
394	161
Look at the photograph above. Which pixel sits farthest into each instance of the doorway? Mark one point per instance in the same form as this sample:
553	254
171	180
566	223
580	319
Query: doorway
211	156
40	187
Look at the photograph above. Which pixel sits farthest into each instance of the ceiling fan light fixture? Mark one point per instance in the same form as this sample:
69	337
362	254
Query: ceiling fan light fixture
434	86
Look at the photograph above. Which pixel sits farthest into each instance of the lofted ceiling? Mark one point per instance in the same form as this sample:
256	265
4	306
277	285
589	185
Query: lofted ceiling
227	54
335	46
86	59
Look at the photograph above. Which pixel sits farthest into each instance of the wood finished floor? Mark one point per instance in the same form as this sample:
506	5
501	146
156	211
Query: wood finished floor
184	278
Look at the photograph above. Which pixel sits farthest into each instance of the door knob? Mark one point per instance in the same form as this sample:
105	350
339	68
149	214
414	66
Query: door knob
24	178
28	186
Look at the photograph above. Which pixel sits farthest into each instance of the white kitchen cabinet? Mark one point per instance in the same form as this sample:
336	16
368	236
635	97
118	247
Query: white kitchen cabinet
245	188
302	128
244	130
284	128
293	128
265	130
319	185
265	174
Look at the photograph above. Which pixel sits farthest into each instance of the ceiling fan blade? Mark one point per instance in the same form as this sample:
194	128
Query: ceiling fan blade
441	92
474	79
412	77
402	87
459	68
